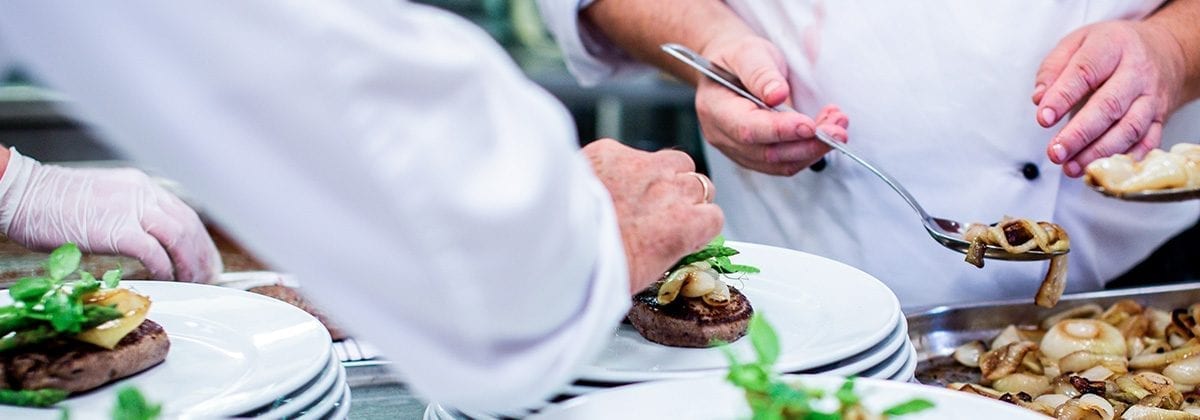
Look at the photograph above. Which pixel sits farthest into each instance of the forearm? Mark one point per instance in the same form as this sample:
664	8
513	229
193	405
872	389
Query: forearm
1179	18
639	27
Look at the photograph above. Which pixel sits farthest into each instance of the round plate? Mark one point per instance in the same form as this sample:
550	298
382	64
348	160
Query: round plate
342	410
720	400
909	370
822	310
300	399
867	359
889	367
231	351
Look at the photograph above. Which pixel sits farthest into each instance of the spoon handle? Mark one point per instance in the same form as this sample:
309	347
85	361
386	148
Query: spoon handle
729	80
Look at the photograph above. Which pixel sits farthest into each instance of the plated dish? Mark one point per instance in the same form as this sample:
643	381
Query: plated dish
231	352
714	398
826	311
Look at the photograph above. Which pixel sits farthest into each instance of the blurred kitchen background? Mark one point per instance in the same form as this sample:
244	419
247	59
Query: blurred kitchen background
649	113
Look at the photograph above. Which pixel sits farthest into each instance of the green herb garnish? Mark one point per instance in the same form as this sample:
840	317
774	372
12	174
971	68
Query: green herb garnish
51	307
132	405
32	398
770	398
717	255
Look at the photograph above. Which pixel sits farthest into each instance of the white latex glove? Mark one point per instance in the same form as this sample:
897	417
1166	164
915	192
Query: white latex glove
105	211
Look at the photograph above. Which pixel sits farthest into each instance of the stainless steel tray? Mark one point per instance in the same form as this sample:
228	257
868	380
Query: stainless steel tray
936	332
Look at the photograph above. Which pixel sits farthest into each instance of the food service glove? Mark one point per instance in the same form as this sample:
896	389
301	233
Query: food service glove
106	211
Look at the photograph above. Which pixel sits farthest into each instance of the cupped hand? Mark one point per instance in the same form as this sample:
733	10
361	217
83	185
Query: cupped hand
663	206
106	211
1124	76
776	143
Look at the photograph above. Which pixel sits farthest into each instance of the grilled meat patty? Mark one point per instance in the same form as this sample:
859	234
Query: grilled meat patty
689	322
76	366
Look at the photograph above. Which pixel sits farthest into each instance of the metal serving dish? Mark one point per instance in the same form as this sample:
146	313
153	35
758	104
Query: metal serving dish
937	331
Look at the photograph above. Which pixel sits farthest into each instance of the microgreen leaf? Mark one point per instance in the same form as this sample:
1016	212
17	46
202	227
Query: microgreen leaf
132	405
30	289
762	336
909	407
112	278
63	261
846	394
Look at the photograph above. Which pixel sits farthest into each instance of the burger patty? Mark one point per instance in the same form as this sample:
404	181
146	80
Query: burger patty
77	366
689	322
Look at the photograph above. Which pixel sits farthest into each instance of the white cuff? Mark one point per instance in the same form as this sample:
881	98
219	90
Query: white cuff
13	185
589	55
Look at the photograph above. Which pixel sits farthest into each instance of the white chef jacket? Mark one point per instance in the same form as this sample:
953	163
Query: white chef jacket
938	95
392	155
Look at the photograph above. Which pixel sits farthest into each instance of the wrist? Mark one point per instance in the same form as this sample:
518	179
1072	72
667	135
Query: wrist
1178	41
17	173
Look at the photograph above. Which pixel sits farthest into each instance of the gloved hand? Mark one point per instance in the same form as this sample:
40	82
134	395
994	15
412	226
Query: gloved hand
105	211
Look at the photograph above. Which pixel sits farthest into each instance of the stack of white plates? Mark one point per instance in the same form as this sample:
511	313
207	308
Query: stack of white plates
830	318
233	353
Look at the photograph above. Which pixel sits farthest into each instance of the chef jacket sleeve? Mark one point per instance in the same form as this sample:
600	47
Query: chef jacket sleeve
590	56
426	193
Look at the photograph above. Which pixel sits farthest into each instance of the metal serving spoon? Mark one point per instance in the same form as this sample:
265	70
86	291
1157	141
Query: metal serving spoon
1152	196
947	232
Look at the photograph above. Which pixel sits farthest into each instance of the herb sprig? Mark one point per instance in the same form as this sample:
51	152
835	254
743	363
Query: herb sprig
49	307
770	398
717	255
132	405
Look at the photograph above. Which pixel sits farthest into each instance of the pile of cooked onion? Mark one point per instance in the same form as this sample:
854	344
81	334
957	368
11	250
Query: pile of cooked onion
1126	361
1019	236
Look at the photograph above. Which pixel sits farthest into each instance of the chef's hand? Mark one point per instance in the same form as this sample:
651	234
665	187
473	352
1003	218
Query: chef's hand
106	211
664	208
1127	76
770	142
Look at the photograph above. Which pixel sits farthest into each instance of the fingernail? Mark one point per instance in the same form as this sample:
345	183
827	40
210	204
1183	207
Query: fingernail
1048	115
1060	152
1037	92
1072	168
805	131
771	86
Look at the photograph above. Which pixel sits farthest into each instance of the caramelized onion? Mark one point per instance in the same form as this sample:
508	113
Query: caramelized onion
1074	335
968	354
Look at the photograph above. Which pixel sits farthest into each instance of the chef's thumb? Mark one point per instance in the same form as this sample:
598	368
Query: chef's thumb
763	72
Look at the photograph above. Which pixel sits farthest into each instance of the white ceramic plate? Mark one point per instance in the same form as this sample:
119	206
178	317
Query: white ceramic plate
231	351
909	370
867	359
823	310
342	411
327	403
889	367
303	398
713	398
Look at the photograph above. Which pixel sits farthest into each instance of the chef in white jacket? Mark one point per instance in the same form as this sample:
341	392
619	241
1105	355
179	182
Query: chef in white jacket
391	155
939	93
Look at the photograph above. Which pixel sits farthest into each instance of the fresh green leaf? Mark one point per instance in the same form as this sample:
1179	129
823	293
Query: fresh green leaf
66	314
64	413
32	398
909	407
63	261
94	315
740	268
762	336
30	289
112	278
846	394
132	405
